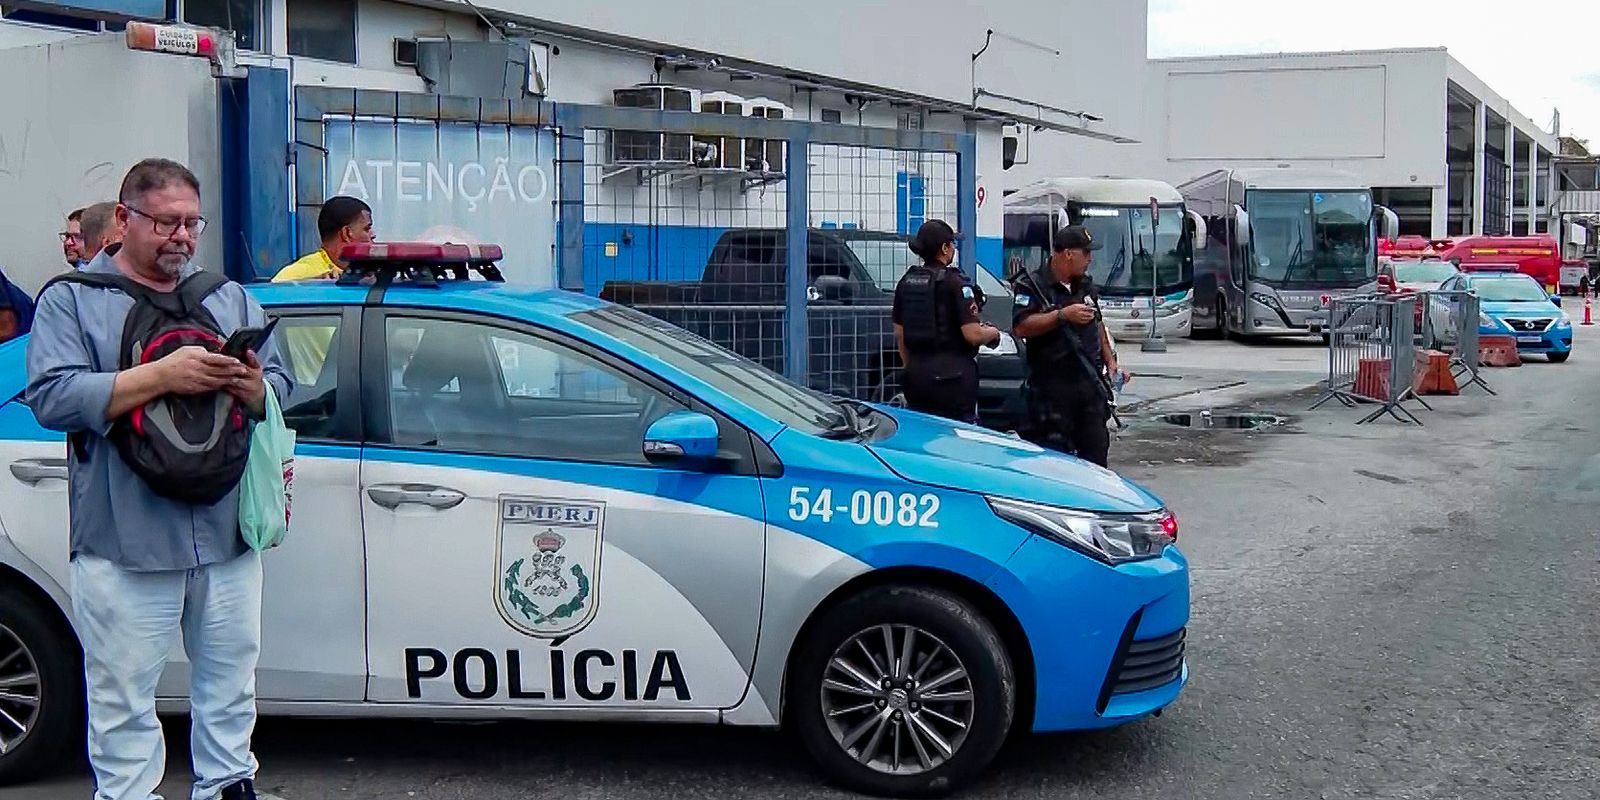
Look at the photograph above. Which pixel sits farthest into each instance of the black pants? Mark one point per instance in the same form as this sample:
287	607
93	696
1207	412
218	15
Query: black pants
1071	417
943	385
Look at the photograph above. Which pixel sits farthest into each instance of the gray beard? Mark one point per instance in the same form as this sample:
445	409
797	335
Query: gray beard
171	264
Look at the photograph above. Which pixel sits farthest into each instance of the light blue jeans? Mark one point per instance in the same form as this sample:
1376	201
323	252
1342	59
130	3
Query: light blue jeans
129	622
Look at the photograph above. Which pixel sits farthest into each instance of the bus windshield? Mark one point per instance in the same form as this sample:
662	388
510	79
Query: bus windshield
1312	239
1026	245
1136	253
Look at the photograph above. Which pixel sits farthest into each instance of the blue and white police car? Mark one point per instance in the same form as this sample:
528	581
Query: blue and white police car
518	503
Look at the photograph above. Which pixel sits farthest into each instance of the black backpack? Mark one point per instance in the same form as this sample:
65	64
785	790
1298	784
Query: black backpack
189	448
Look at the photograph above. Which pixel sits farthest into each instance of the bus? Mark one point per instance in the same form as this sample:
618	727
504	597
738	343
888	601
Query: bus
1284	244
1145	271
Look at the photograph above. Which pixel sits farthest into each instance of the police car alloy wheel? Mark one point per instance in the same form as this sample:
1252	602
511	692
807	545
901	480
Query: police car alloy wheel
41	689
903	691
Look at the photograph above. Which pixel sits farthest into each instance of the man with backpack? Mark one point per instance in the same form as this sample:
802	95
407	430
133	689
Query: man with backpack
125	359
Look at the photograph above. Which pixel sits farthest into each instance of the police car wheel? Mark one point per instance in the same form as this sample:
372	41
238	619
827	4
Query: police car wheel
903	692
1558	358
41	689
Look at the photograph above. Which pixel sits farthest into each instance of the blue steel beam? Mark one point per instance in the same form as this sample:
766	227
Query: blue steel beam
796	320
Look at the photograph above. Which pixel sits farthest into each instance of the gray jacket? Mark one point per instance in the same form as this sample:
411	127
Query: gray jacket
72	362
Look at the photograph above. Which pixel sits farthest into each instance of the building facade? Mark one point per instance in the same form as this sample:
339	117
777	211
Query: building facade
1448	154
1018	70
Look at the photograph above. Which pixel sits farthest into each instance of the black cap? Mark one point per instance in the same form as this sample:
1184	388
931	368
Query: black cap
933	236
1074	237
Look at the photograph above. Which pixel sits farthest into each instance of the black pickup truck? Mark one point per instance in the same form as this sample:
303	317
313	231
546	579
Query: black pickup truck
851	274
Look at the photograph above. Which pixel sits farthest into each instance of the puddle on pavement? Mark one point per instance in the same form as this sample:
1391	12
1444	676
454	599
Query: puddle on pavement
1235	422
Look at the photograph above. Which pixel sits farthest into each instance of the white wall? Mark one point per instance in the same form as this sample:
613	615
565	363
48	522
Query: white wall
80	113
17	34
1104	66
1379	116
923	47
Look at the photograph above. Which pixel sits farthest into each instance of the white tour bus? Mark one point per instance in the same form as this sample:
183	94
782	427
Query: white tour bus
1145	271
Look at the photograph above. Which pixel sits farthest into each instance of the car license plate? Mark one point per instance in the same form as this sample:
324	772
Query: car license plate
1317	322
1530	339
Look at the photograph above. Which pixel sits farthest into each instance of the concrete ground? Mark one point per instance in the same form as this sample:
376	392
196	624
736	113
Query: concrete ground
1382	611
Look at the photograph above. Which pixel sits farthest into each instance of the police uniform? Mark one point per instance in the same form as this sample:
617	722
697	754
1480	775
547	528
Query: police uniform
931	303
1067	402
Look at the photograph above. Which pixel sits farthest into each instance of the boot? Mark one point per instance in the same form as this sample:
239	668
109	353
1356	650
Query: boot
242	790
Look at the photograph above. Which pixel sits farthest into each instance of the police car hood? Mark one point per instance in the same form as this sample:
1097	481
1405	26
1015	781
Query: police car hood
1525	308
937	452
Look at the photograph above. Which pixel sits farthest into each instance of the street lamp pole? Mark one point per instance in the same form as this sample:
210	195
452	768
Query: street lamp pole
1154	344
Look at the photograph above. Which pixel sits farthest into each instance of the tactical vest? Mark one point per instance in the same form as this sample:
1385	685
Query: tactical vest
925	311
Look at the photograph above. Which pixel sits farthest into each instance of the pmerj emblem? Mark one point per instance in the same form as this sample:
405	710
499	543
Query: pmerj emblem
549	564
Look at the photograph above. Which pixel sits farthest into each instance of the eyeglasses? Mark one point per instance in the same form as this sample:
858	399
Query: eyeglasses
70	237
167	226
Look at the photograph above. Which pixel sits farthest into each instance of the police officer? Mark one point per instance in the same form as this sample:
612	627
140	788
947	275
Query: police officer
937	330
1069	353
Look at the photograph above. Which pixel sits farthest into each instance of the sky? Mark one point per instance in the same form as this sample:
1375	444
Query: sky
1533	52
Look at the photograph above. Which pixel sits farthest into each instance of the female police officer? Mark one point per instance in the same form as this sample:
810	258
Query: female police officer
937	329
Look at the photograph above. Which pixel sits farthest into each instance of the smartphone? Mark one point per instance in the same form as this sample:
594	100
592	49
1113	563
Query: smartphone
247	339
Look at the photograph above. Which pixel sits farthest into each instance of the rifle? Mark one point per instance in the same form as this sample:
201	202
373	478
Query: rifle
1102	380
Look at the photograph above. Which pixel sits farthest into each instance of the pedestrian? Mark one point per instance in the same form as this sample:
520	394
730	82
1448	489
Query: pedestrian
937	330
146	567
343	220
72	240
1071	361
99	229
16	309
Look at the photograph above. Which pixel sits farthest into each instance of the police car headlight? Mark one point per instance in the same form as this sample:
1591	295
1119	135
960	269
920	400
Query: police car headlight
1006	347
1486	321
1563	321
1112	538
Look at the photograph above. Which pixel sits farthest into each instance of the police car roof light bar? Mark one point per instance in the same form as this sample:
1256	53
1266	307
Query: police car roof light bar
422	263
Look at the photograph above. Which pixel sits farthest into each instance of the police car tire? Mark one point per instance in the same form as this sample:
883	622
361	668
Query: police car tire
61	693
1557	358
956	623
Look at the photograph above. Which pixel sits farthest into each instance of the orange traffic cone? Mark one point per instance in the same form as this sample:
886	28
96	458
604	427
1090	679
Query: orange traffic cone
1588	311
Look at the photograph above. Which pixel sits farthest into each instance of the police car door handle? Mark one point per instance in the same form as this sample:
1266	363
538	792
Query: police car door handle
393	495
33	470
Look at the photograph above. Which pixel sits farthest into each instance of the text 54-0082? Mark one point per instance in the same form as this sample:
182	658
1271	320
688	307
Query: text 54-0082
862	507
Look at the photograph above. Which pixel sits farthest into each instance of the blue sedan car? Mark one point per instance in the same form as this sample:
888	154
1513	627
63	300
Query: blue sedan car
1514	304
520	503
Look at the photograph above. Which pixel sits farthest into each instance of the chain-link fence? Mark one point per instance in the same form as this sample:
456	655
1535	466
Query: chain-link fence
864	205
779	240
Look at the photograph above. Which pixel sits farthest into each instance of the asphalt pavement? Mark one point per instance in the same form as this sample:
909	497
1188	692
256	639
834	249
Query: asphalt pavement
1379	611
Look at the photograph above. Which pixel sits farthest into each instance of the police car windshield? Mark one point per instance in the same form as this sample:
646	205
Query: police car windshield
744	380
887	260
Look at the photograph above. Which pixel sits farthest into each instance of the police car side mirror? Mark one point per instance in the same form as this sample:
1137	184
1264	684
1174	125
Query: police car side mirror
682	436
830	287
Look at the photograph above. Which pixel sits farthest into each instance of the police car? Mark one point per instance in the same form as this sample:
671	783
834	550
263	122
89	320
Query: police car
519	503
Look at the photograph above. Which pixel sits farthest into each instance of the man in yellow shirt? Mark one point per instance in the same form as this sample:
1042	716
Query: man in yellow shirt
343	220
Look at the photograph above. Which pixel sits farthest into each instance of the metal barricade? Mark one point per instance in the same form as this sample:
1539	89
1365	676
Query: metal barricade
1448	322
1372	355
